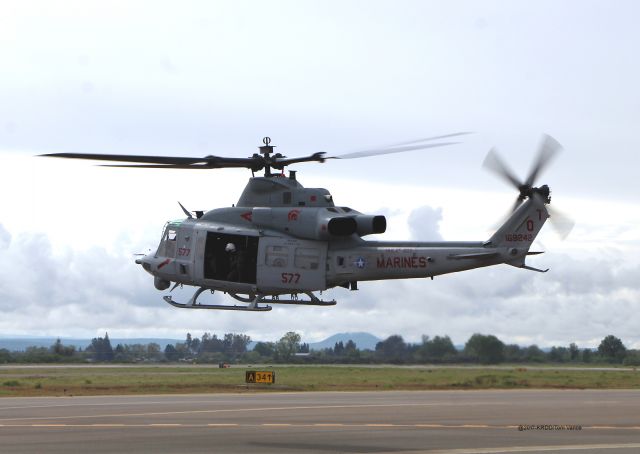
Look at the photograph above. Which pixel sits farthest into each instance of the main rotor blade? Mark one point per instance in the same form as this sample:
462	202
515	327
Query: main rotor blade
548	149
127	158
387	150
281	162
494	163
158	166
166	162
427	139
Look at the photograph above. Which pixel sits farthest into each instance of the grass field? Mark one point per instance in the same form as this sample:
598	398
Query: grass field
97	380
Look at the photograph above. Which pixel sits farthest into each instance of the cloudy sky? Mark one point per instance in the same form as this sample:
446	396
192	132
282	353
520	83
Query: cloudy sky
198	78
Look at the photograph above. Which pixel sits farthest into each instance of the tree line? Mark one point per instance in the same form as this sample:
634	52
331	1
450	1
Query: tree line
234	348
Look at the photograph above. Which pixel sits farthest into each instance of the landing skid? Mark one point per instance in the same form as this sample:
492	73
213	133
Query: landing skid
312	301
252	302
222	307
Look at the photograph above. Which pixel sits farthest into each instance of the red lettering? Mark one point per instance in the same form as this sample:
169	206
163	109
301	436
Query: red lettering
288	278
396	262
423	262
406	262
380	262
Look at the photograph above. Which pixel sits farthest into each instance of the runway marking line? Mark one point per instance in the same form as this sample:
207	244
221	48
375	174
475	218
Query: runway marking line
269	425
239	410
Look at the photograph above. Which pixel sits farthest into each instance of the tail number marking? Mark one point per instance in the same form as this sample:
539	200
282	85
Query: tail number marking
515	237
290	278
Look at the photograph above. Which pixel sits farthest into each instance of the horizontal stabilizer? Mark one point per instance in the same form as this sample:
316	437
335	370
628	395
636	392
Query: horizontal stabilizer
474	255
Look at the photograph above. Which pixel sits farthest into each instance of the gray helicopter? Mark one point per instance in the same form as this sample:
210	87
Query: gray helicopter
281	242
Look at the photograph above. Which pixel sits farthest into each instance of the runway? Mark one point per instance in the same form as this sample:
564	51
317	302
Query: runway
447	422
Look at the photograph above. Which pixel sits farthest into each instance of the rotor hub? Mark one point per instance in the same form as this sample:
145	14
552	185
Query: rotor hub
527	192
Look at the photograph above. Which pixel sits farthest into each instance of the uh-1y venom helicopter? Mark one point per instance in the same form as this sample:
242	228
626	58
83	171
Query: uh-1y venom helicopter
283	239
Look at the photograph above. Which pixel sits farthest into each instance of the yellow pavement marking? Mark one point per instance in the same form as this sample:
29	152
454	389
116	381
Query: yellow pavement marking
48	425
612	427
511	449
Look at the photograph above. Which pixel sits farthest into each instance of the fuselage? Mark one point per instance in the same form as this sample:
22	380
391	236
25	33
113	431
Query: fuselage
303	242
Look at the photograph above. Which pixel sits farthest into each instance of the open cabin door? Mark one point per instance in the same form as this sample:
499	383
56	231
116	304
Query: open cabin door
291	264
222	264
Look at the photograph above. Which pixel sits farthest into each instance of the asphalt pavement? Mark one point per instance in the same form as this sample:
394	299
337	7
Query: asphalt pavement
452	422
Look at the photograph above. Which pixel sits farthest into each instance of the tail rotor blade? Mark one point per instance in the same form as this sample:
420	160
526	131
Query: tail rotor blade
549	148
561	223
507	215
494	163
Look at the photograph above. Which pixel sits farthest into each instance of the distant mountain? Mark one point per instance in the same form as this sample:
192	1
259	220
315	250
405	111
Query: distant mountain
364	341
21	344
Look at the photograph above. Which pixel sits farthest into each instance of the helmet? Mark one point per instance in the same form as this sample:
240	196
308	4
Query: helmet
230	247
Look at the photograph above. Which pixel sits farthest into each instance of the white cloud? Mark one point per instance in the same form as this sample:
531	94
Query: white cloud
424	223
215	78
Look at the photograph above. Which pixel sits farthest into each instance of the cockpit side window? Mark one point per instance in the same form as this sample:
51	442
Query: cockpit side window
168	242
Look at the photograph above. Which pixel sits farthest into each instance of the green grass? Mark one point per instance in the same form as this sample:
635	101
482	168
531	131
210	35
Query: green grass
93	380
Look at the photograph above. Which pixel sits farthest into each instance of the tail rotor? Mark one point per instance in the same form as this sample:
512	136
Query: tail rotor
547	151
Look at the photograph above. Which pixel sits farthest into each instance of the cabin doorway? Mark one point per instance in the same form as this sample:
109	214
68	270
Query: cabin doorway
231	258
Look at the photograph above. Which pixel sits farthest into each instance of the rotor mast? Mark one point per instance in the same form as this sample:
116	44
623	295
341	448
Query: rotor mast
266	150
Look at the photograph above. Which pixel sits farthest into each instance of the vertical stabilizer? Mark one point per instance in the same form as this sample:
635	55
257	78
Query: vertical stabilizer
520	230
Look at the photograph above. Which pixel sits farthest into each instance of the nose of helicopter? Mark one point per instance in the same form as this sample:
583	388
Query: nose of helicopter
145	261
